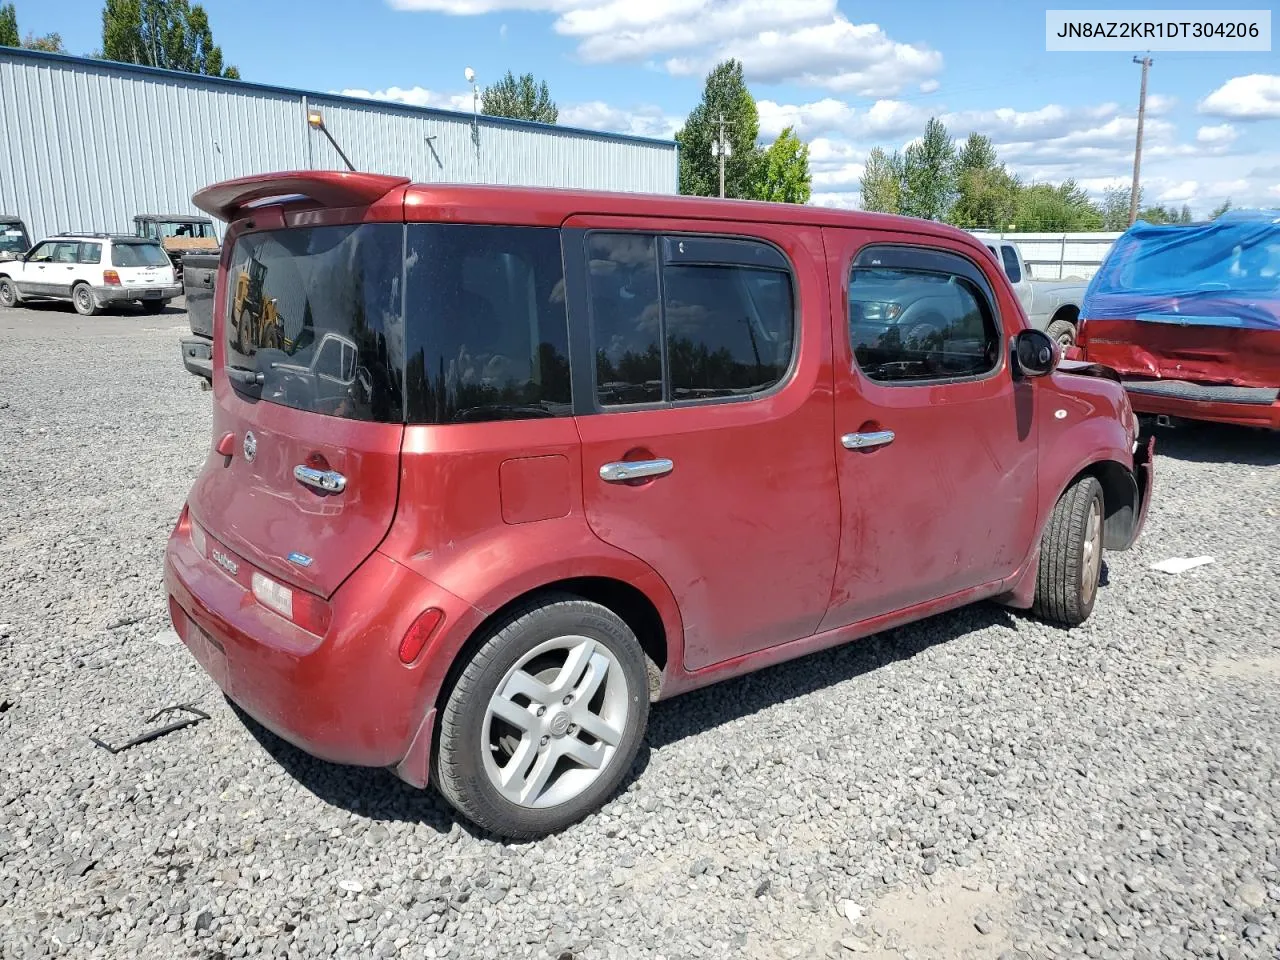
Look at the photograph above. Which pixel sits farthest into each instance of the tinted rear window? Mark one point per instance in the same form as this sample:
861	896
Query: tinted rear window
433	323
13	239
125	254
317	313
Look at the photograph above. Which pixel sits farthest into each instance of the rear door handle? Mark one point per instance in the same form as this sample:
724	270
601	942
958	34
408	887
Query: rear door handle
865	441
624	470
330	481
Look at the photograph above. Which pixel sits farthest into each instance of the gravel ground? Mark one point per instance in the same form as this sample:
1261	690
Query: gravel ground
977	785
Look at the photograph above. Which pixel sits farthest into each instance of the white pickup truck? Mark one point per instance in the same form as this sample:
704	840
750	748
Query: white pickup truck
1051	305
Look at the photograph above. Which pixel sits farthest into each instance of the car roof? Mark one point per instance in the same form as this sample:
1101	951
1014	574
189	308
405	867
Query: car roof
97	235
524	206
172	218
9	218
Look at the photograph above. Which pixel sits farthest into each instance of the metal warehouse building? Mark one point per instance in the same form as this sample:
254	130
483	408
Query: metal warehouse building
87	144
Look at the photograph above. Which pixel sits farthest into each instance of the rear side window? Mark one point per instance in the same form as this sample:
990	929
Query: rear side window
1012	268
125	254
911	318
91	253
317	313
485	328
688	318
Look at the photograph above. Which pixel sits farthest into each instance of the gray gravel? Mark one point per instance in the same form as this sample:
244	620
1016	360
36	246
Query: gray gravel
976	785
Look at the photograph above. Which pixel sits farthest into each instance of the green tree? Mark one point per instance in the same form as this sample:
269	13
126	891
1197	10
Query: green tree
49	43
9	36
1066	207
1220	209
881	182
784	170
519	98
1115	207
1165	215
929	174
987	194
724	94
171	34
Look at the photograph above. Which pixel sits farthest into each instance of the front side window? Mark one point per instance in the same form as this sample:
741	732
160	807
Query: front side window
1012	268
128	254
908	324
486	329
317	313
722	325
42	252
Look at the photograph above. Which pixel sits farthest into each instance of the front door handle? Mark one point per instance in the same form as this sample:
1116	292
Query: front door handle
865	441
330	481
625	470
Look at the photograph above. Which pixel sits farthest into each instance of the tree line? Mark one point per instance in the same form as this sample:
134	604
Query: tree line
969	187
934	179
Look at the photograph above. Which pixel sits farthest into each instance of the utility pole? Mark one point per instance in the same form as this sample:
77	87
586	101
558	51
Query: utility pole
1137	149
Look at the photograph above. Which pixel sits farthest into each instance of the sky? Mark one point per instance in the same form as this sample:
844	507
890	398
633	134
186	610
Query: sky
848	75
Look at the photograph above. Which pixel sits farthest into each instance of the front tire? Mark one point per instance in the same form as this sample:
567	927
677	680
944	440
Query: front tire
1064	331
545	719
1071	556
83	300
8	293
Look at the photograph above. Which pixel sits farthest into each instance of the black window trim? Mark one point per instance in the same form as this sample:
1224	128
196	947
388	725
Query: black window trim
582	334
974	274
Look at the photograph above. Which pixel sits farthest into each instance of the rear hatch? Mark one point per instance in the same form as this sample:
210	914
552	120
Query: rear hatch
307	402
1198	353
141	263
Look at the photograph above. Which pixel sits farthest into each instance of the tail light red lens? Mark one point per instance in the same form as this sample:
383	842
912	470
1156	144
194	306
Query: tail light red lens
416	637
110	278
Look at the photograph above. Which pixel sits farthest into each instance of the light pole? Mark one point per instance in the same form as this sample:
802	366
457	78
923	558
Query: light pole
475	106
721	148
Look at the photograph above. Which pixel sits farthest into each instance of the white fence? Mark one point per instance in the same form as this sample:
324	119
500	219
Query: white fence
1061	256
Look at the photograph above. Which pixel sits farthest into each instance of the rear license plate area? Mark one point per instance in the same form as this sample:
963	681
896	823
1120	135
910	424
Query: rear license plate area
151	294
210	654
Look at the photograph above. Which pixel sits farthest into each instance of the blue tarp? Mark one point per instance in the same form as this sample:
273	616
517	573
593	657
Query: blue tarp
1222	273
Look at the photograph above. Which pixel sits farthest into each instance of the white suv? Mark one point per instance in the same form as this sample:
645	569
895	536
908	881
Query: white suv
91	270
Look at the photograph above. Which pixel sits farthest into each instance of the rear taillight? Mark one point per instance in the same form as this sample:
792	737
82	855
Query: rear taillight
416	637
307	611
110	278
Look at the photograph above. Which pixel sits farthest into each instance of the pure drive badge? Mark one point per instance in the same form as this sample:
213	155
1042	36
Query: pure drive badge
250	446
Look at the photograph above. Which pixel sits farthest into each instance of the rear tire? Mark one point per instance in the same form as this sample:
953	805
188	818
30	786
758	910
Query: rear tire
1071	556
8	293
524	738
83	300
1064	331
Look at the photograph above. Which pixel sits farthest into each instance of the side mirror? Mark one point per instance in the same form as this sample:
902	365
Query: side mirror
1037	354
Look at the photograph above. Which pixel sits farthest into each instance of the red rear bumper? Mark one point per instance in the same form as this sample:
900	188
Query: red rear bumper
346	697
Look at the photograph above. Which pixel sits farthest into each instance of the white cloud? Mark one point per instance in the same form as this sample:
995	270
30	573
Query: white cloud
929	86
1158	104
1179	192
807	42
1252	97
642	121
884	118
1222	133
415	96
839	55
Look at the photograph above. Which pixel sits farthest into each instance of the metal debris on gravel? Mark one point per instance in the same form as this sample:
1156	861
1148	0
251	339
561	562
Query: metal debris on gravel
1103	792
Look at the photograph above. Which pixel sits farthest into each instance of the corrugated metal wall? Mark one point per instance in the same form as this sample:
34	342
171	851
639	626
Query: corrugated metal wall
85	145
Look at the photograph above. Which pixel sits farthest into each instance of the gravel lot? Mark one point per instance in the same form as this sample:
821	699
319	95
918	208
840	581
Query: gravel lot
978	785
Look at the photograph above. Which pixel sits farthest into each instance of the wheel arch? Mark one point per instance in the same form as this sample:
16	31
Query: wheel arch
629	602
1069	312
1121	501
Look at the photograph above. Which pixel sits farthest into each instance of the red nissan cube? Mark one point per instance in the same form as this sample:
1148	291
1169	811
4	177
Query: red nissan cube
492	468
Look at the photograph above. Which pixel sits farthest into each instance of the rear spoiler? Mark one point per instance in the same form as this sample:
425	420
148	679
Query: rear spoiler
231	199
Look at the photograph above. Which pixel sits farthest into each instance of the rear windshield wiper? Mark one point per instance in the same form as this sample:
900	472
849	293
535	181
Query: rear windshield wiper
245	376
502	411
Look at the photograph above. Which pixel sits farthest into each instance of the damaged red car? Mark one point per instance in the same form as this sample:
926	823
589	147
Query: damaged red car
494	468
1190	318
